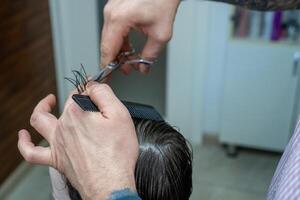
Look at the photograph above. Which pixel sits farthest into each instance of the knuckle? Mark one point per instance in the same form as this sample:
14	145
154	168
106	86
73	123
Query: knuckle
29	156
72	108
107	10
116	13
100	89
33	119
116	16
164	37
104	87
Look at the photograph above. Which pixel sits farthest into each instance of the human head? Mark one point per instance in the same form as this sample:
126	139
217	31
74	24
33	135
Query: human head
164	166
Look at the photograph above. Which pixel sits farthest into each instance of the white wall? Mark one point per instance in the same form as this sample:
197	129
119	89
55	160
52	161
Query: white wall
218	33
75	27
196	56
186	63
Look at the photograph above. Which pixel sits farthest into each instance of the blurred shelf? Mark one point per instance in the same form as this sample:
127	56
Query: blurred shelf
263	42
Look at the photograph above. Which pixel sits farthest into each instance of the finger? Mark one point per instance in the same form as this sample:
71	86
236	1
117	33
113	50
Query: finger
72	109
46	104
150	52
126	69
127	47
106	79
105	99
111	42
33	154
42	119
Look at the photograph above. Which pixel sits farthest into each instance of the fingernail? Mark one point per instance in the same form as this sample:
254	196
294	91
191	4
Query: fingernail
144	68
89	78
33	119
20	132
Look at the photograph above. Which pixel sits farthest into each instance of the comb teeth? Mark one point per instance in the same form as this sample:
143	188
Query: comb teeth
136	110
142	111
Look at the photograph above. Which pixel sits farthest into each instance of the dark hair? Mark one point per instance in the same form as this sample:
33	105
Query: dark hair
164	166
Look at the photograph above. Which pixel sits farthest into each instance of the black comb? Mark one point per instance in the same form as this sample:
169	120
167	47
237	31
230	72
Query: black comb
85	103
136	110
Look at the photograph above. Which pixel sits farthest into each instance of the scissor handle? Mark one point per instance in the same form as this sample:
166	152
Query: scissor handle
106	71
123	58
127	53
130	57
140	61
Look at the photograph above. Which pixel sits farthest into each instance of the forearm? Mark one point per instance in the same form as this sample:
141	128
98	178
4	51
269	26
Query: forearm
116	186
265	5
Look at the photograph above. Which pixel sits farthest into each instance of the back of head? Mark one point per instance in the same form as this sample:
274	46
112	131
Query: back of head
164	166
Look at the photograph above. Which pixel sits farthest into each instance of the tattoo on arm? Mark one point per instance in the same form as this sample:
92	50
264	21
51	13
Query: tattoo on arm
265	5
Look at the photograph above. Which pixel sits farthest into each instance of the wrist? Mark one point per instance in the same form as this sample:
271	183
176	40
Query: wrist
105	190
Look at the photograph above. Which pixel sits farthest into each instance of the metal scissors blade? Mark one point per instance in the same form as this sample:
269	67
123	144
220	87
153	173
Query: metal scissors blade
122	59
106	71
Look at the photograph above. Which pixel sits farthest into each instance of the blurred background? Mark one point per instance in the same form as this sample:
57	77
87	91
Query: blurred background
229	80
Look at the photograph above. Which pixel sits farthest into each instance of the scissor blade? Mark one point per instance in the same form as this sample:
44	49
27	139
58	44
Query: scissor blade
105	72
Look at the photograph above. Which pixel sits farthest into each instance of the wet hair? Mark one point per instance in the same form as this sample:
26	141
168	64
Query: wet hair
164	166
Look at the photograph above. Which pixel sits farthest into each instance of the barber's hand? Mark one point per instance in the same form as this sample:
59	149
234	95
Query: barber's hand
97	151
154	18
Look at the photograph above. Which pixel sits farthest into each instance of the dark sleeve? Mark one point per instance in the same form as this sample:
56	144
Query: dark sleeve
125	194
264	5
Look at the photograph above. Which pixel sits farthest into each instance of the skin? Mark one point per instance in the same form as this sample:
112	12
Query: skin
154	18
96	151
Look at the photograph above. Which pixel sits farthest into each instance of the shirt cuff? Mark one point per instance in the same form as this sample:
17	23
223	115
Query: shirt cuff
124	194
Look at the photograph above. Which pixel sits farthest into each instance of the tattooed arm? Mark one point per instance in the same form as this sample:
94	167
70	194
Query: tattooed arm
265	5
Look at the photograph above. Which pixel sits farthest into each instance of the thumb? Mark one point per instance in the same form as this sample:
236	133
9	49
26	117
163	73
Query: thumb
105	99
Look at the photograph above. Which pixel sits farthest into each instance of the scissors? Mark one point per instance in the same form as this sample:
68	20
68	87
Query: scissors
126	57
